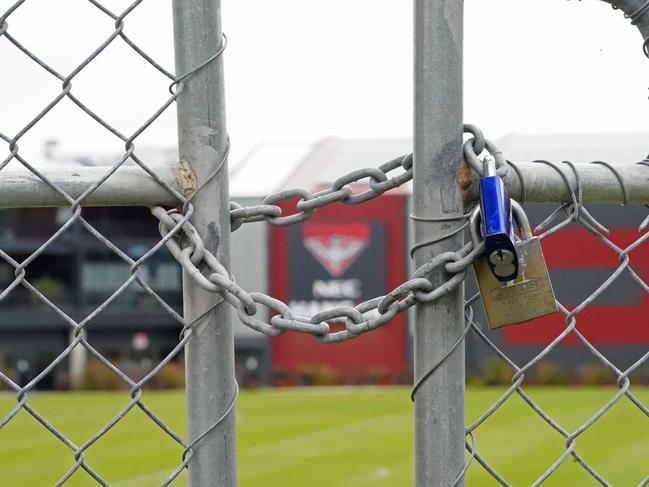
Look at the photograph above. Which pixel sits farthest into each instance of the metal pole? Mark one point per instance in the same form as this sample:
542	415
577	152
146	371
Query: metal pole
636	12
600	184
127	186
439	403
202	138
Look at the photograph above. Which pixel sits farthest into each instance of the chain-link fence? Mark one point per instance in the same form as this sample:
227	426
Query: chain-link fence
196	235
75	187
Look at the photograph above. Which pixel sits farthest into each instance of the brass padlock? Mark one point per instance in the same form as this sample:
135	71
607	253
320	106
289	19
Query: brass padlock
528	296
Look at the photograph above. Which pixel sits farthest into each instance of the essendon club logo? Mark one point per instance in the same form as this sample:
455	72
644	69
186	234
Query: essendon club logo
336	245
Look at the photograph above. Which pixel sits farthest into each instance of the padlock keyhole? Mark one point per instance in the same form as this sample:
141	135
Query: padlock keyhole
503	262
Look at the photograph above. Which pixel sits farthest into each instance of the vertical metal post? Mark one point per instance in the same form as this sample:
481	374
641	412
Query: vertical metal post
202	139
439	403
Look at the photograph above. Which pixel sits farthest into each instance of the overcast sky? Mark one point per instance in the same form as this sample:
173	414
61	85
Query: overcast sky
301	70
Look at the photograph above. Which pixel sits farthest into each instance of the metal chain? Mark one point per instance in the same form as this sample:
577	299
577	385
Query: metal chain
189	250
341	191
185	244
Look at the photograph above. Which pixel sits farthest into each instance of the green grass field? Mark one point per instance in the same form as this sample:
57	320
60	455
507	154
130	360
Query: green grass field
340	437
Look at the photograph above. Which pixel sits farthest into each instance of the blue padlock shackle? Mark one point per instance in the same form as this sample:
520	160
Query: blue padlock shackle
519	215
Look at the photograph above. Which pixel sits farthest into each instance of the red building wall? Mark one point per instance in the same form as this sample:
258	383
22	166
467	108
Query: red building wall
343	255
619	316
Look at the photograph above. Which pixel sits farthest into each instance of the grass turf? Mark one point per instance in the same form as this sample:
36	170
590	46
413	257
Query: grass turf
341	437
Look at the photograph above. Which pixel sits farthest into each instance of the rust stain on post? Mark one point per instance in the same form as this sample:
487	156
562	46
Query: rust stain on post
465	182
186	181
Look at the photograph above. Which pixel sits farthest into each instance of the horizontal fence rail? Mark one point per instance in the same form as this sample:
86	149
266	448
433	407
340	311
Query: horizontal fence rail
126	186
534	182
599	182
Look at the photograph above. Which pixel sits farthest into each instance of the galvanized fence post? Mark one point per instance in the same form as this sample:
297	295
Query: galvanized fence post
439	403
202	138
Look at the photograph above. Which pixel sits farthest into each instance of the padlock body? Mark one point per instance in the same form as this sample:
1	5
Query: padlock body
528	297
497	228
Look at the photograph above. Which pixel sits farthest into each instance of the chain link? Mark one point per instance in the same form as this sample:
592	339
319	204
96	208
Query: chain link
378	180
184	243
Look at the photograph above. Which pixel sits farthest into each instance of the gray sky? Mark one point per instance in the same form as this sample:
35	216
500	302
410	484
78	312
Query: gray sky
298	71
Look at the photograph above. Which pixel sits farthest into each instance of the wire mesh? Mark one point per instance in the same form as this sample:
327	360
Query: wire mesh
569	217
177	233
79	327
